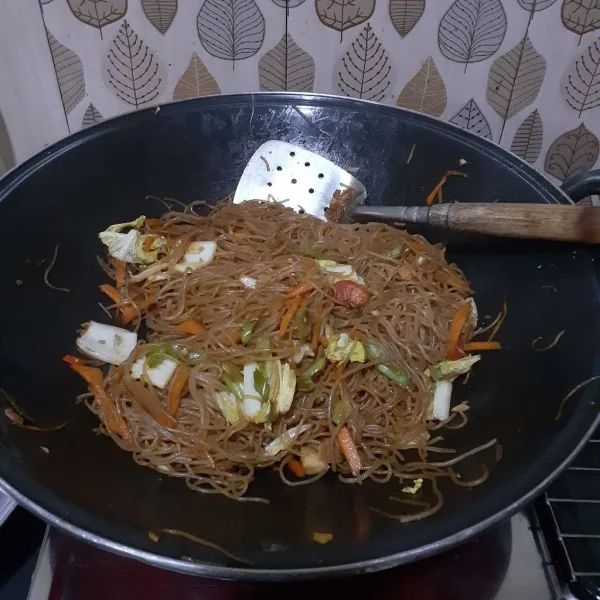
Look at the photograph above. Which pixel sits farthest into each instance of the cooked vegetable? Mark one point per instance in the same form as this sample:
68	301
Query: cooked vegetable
452	368
300	289
322	538
191	327
227	403
395	252
436	191
248	282
180	380
296	468
131	247
247	330
456	329
159	369
287	387
106	343
282	442
391	371
128	310
305	379
312	461
303	350
337	271
482	346
197	255
254	407
441	399
114	421
500	322
293	306
348	448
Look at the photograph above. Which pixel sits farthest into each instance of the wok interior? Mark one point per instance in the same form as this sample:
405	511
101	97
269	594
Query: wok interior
196	151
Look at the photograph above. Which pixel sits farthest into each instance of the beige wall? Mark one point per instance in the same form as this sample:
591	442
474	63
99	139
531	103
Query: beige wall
525	73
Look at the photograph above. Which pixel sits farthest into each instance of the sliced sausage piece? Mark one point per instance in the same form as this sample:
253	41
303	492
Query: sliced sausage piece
350	294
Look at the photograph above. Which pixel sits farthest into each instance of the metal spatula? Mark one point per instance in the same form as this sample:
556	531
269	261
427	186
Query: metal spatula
303	179
306	181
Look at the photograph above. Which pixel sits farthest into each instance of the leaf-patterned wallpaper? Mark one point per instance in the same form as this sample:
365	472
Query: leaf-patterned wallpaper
523	73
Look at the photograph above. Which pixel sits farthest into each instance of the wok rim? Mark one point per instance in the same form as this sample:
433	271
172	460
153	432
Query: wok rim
22	170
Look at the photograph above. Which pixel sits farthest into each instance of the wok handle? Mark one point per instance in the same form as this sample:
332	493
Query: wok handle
566	223
583	185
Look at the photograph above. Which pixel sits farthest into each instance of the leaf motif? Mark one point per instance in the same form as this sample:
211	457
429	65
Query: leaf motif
471	118
405	14
7	156
527	143
535	5
98	13
286	67
344	14
131	71
472	30
91	117
572	153
581	16
582	82
365	70
160	13
426	91
69	73
196	81
288	3
231	29
515	80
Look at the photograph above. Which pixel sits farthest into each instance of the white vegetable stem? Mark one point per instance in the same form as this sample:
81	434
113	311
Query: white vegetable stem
441	400
159	376
198	254
106	342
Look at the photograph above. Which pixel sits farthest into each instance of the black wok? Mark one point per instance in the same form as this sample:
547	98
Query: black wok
197	150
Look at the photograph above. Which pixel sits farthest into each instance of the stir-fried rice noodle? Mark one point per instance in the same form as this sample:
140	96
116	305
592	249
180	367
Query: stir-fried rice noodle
413	296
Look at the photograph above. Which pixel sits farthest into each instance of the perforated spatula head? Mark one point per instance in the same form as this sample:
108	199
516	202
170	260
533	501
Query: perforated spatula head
304	180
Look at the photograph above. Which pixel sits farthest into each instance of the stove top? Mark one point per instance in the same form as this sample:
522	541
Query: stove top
502	564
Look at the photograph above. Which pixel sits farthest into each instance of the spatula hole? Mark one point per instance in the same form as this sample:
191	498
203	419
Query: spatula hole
307	164
321	175
279	168
311	191
292	154
294	181
269	183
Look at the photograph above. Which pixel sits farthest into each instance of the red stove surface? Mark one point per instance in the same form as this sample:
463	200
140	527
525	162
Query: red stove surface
475	571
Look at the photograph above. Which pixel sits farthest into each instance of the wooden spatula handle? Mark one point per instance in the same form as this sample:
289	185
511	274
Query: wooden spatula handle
567	223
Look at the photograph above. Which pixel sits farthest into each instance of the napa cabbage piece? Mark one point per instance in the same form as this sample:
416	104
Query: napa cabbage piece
132	247
338	271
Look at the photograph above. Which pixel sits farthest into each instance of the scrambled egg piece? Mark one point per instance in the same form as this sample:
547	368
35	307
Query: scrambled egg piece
342	348
414	488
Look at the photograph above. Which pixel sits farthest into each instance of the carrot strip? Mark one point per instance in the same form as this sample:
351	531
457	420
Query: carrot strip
73	360
128	311
324	341
477	346
438	188
300	289
499	323
296	468
455	282
191	327
339	371
435	190
317	327
179	381
153	223
148	244
92	375
293	306
455	331
120	273
114	421
348	448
